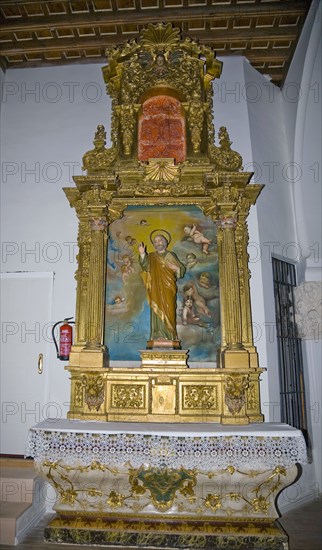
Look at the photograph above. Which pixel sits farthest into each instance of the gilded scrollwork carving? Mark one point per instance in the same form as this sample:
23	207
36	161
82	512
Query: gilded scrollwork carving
241	240
159	57
78	395
99	158
235	392
97	197
196	110
94	391
161	177
252	397
128	396
200	397
223	156
115	210
127	122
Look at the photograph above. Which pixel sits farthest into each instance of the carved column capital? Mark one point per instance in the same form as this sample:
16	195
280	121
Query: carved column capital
98	224
227	222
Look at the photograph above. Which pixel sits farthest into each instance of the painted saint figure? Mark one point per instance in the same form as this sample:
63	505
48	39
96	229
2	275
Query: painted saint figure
161	269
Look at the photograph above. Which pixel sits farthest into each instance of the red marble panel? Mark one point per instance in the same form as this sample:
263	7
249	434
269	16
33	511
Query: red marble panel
162	129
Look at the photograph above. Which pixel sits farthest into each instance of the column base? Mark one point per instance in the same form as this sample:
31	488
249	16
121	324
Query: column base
89	358
235	359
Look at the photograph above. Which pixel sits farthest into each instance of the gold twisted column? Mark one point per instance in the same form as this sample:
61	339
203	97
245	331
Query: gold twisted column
95	293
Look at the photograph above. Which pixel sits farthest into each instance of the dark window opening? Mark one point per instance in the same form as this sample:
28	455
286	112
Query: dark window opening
292	391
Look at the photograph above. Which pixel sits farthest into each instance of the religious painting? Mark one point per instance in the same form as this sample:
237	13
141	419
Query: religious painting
192	237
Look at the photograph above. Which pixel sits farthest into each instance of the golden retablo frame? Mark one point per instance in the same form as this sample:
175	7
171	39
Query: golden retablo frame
165	387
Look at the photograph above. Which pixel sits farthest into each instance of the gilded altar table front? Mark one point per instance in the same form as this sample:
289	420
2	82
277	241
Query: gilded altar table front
166	485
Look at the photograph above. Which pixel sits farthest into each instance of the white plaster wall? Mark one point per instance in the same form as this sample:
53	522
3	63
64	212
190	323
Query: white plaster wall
312	210
49	117
302	115
310	170
275	218
303	125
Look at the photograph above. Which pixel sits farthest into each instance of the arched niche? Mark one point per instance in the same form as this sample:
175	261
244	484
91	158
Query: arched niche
162	129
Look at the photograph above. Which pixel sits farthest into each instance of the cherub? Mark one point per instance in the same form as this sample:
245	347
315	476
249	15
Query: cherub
190	291
197	237
188	314
191	260
118	300
204	279
126	267
130	240
118	306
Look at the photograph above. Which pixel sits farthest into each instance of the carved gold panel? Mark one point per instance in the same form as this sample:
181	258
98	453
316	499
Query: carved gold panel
199	397
128	396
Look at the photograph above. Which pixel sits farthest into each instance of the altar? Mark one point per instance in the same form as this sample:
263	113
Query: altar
166	485
165	444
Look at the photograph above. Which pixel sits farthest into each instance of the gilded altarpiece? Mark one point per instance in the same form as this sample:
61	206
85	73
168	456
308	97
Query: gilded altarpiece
163	173
157	468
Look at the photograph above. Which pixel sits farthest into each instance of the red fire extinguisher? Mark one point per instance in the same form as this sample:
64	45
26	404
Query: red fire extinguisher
65	338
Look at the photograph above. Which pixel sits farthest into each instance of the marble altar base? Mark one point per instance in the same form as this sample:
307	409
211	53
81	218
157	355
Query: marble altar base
174	533
167	486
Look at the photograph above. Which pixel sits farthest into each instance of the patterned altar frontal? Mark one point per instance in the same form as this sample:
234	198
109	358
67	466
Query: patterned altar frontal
171	445
120	481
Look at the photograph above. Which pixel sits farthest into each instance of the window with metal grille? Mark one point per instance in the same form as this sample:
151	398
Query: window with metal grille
292	393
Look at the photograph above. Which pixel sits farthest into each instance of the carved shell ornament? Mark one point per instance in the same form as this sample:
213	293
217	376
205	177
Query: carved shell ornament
161	170
160	36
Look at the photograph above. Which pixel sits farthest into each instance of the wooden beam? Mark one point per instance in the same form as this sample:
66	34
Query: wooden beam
143	17
77	43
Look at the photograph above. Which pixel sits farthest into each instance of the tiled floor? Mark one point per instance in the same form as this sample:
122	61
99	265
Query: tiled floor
303	524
